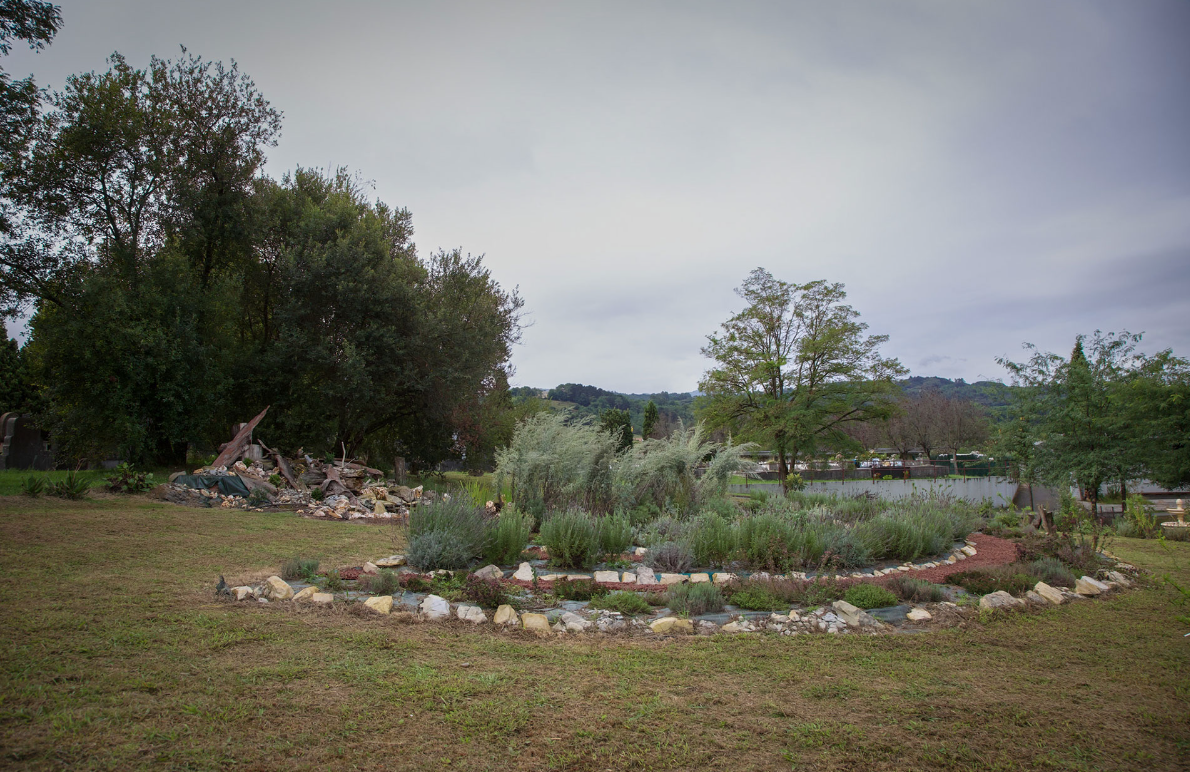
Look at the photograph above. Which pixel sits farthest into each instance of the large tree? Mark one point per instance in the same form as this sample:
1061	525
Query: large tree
795	367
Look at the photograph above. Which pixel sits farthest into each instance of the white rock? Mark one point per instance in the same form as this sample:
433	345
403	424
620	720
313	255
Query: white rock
505	616
524	573
489	572
734	627
370	568
968	550
305	593
700	578
674	578
628	578
471	614
1119	578
607	576
392	561
847	612
640	552
243	592
435	607
1088	586
1049	594
1033	597
723	577
322	598
645	575
778	619
999	599
919	615
277	589
574	623
382	604
671	625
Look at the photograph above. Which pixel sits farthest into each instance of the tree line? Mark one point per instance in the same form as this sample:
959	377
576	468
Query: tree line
175	289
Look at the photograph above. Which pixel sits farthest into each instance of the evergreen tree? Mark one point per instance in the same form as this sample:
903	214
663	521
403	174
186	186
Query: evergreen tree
650	420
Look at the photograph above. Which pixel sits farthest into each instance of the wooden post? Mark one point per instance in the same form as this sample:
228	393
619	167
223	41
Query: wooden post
399	471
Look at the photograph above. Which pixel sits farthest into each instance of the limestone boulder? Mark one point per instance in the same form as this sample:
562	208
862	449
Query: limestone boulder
537	623
1119	578
612	577
700	578
305	593
668	579
243	592
853	616
999	599
968	550
322	598
574	623
277	589
919	615
628	578
505	616
645	575
392	561
490	572
381	604
723	577
524	573
370	568
435	607
672	626
473	614
1089	586
1049	594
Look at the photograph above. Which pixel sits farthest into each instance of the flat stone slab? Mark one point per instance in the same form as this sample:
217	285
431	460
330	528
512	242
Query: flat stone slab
612	577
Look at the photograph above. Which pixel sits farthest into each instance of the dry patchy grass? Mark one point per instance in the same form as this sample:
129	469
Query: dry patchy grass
117	656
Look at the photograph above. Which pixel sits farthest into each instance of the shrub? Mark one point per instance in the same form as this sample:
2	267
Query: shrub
845	549
384	582
446	534
487	593
1013	579
415	583
275	480
867	596
73	486
570	538
578	589
671	557
438	549
915	590
623	601
33	486
767	541
510	536
1144	524
614	534
643	514
1052	571
258	497
694	599
126	480
712	539
332	582
755	598
299	568
317	494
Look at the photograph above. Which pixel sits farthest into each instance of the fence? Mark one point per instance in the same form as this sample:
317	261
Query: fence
998	490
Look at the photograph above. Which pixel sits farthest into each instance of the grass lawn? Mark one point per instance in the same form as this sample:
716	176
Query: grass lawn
116	655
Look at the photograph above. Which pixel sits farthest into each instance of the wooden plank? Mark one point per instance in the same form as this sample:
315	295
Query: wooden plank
235	449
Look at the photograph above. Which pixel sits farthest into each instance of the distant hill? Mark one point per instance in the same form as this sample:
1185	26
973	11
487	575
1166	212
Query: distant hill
679	406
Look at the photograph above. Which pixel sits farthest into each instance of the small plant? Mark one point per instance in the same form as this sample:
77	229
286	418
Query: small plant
447	534
671	557
694	599
415	583
867	596
614	534
487	593
332	582
1144	523
570	538
625	602
914	590
73	486
755	598
126	480
509	537
1053	572
259	497
712	539
383	582
299	568
317	494
275	480
1013	579
435	550
33	486
578	589
795	482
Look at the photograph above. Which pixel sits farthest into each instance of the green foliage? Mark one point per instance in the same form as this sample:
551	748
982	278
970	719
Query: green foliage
756	598
33	486
275	480
446	534
868	596
73	486
795	482
914	590
649	421
694	599
665	471
415	583
488	593
435	550
614	534
577	589
674	557
618	424
1014	579
384	582
1052	571
627	603
712	539
510	536
259	497
1144	522
317	494
299	568
553	463
571	539
332	582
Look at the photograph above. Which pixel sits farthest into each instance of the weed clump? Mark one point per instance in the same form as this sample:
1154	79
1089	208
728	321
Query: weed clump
756	598
1053	572
868	596
694	599
914	590
577	589
383	582
1014	579
299	568
625	602
33	486
487	593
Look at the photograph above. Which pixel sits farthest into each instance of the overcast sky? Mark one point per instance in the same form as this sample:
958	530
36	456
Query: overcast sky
976	174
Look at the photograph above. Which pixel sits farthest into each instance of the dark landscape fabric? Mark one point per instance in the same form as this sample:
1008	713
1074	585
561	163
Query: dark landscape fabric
228	485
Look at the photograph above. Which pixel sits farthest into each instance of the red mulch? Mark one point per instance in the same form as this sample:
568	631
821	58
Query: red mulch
609	585
350	574
989	551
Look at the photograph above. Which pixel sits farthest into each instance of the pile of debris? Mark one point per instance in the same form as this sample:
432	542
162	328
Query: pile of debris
248	475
